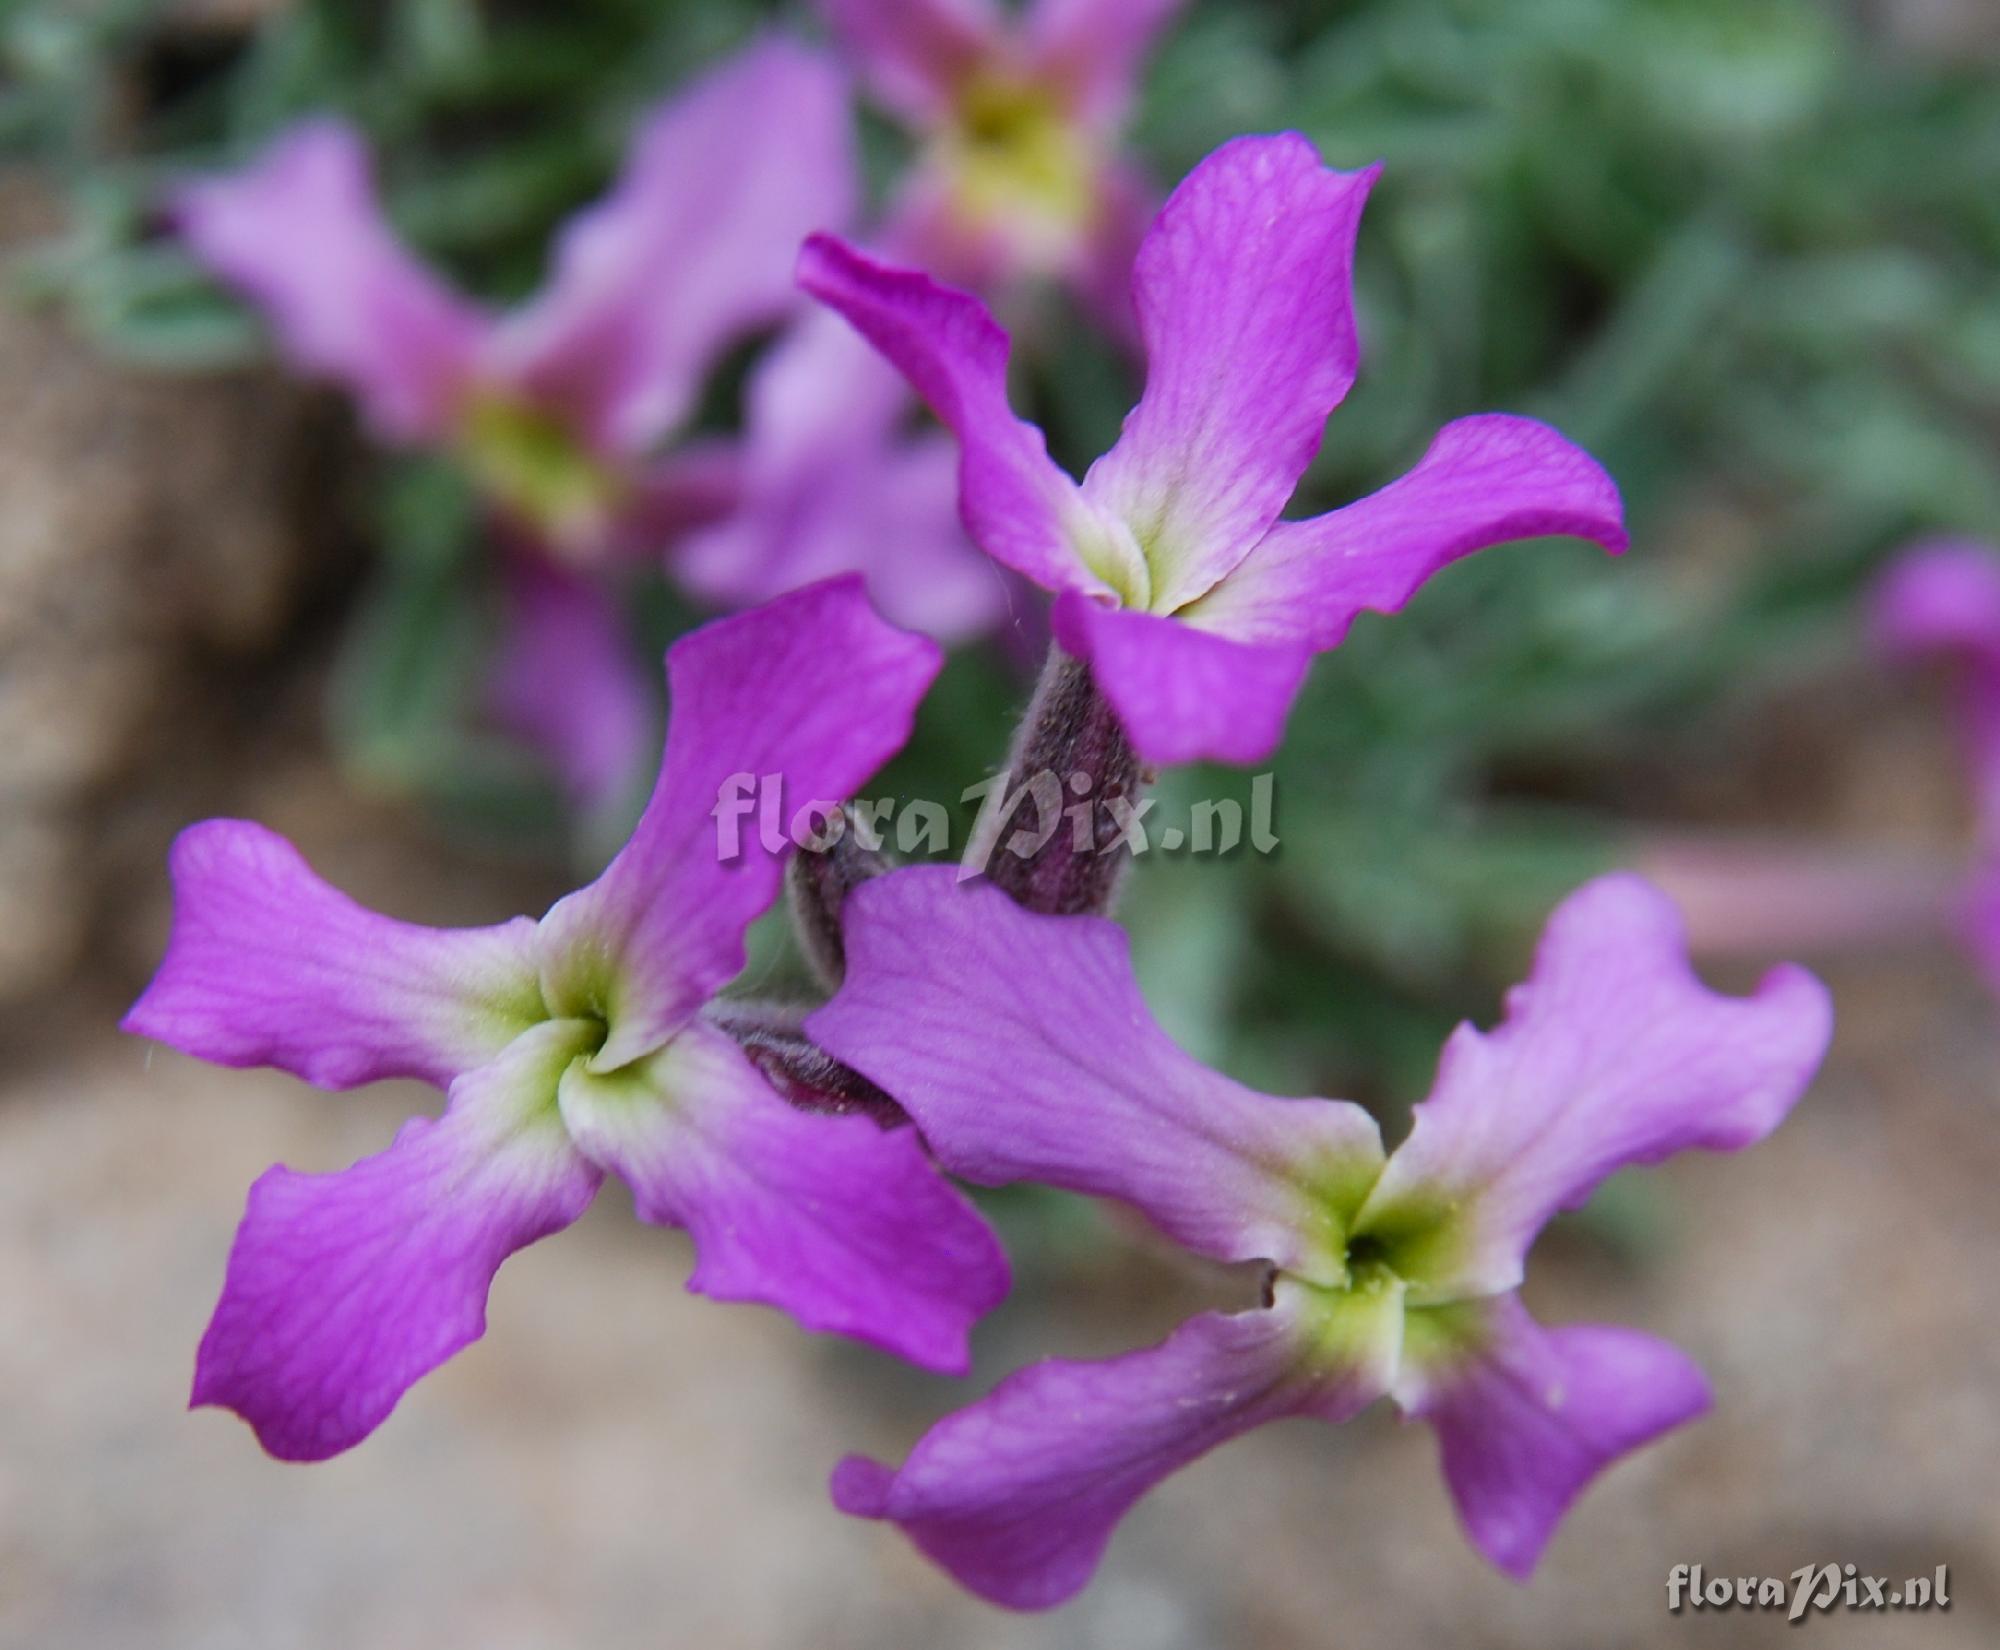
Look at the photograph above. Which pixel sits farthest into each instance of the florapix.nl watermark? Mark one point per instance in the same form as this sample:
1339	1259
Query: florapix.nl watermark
1809	1589
994	816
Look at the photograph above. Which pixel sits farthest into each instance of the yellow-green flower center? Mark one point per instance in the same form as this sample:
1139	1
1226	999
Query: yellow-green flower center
1016	159
535	468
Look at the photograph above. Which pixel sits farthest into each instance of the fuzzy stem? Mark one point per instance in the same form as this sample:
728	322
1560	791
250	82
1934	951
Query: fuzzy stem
1051	838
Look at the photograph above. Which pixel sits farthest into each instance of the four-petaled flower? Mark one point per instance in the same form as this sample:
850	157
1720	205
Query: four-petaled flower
1941	600
564	410
1022	1048
571	1047
1020	174
1197	608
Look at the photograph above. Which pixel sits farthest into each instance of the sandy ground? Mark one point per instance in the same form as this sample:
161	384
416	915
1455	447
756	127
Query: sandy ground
621	1464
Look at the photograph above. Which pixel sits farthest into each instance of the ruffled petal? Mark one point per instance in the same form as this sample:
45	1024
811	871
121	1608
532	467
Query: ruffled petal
692	249
835	1220
1093	50
1244	293
1020	508
805	697
268	966
345	1289
915	54
566	682
1183	694
1485	481
1526	1417
1017	1495
1023	1049
300	233
1613	1053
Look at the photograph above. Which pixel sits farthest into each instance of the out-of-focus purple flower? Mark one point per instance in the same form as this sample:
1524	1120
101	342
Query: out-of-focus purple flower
571	1048
565	410
1019	116
1941	601
1021	1046
828	479
1197	608
560	407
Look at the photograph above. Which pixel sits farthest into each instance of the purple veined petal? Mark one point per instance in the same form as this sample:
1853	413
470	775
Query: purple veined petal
1526	1417
345	1289
1018	505
1017	1495
1613	1053
806	697
566	682
1941	596
1022	1048
842	1224
1094	50
1485	481
268	965
300	233
1244	294
1184	694
691	250
915	54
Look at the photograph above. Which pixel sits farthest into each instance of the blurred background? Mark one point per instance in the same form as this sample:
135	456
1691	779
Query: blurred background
1744	250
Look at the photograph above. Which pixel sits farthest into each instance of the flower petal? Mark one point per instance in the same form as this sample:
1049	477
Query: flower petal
566	682
1526	1417
345	1289
1021	1046
806	697
692	249
1244	296
835	1220
1093	50
1485	481
1612	1053
829	485
1019	507
267	965
915	54
1183	694
1941	596
300	233
1017	1495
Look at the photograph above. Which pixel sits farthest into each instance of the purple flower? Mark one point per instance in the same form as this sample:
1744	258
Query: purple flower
1022	1048
1941	600
560	406
1197	608
1020	116
570	1047
564	410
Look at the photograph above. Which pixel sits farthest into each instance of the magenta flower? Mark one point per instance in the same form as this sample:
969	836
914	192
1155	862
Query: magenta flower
1941	600
828	479
570	1047
1022	1048
560	407
564	410
1197	608
1019	116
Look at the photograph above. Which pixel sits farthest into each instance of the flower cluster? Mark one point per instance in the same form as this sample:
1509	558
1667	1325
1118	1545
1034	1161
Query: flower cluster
987	1029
